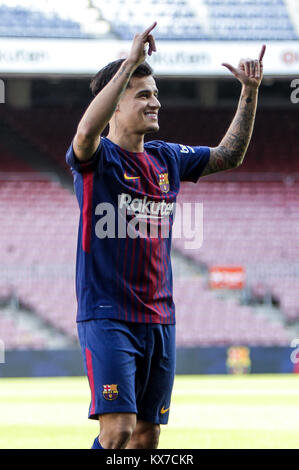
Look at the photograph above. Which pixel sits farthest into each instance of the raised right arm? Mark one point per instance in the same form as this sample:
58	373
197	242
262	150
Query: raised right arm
102	107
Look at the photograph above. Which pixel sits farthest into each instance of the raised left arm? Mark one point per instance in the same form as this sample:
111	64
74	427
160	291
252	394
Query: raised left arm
232	148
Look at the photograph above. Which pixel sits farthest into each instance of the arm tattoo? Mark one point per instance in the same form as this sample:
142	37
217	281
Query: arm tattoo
231	150
120	73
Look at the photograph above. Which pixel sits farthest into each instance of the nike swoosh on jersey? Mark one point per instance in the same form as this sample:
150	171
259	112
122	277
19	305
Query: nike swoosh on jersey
162	411
130	177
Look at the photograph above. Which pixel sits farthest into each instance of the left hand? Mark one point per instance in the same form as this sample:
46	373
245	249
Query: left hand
249	71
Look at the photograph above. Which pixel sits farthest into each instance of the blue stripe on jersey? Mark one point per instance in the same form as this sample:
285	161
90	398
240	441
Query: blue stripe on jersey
129	278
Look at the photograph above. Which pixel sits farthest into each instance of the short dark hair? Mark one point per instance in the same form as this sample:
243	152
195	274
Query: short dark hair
100	80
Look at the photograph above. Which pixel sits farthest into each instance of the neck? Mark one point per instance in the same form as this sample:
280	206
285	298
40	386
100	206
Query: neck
132	142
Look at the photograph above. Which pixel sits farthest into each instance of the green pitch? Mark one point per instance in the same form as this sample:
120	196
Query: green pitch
207	412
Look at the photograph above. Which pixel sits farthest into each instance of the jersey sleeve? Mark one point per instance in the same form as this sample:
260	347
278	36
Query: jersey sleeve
191	160
87	166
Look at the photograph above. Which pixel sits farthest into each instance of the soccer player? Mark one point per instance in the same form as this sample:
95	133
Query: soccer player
126	191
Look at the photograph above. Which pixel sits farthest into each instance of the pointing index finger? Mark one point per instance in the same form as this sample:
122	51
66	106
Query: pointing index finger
149	29
262	53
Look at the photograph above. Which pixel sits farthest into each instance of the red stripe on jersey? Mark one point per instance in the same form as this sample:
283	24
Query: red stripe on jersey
125	291
139	276
90	378
154	160
131	280
139	258
87	210
160	280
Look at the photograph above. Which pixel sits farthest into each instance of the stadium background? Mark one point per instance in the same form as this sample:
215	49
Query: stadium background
237	296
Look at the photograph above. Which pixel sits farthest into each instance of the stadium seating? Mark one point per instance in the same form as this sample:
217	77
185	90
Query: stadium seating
203	319
24	22
205	19
285	291
178	19
275	131
274	136
16	337
246	222
250	20
10	163
254	225
38	246
43	131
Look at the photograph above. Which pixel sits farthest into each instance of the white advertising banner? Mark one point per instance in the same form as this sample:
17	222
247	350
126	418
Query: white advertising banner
173	58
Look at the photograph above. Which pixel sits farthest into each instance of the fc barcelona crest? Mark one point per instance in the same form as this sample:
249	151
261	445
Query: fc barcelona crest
163	182
110	392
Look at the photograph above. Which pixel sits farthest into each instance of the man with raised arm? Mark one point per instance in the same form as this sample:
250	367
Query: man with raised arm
126	191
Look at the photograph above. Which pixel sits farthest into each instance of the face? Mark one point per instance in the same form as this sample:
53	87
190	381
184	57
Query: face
137	111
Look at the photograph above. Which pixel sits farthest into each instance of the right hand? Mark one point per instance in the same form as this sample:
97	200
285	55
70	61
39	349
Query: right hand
249	72
139	51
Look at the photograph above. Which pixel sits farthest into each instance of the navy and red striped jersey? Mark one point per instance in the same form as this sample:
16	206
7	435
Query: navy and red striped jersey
127	202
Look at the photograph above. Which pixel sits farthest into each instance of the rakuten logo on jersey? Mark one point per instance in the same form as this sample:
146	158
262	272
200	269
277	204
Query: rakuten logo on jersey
146	218
145	207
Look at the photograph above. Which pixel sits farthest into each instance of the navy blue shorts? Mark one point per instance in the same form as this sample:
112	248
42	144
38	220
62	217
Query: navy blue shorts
130	367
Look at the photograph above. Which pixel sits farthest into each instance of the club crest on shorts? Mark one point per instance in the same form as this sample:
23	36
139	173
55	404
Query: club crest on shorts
164	182
110	392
